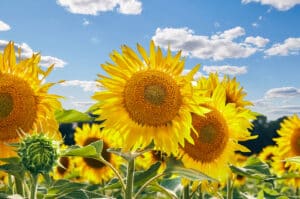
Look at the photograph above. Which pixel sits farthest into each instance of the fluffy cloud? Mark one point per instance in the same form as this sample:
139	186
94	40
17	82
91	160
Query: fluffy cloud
257	41
4	26
85	85
27	52
93	7
290	46
226	69
282	92
281	5
217	47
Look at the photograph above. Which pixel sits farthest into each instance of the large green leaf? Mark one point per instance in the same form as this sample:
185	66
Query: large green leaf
69	116
92	150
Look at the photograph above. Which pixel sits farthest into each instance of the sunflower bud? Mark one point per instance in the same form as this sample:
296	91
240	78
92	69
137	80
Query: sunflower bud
38	153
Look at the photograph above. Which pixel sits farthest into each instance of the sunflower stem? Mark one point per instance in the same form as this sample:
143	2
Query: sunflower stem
229	188
130	176
19	186
33	190
115	171
186	192
147	183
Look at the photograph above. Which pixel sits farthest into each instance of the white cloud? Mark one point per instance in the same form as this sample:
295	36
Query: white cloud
258	41
282	92
86	85
86	22
4	26
27	52
226	69
281	5
93	7
290	46
217	47
254	24
82	105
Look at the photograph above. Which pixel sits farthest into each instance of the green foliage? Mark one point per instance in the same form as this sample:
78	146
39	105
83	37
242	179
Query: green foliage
69	116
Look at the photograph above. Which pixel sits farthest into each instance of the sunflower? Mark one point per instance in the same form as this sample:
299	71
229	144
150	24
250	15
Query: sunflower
147	159
24	99
240	161
216	137
90	169
267	154
288	146
146	99
234	92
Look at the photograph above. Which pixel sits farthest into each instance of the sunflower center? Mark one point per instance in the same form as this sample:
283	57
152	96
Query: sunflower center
152	98
295	141
6	104
212	140
155	94
95	163
64	161
18	106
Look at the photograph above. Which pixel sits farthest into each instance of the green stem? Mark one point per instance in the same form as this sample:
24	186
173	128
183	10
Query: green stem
186	192
19	186
130	176
33	191
147	183
115	171
200	192
229	188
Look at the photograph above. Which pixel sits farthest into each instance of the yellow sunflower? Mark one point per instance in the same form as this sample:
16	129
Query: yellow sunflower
90	169
239	161
234	92
216	137
267	154
149	158
288	146
24	99
146	99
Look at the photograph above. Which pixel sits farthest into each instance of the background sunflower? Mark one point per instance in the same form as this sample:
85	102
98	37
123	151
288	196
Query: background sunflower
90	169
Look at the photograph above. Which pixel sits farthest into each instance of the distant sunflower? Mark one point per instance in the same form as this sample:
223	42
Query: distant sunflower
218	134
149	158
24	99
146	99
90	169
267	154
234	92
288	146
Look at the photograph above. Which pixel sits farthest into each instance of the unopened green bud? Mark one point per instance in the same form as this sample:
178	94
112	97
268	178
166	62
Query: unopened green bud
38	153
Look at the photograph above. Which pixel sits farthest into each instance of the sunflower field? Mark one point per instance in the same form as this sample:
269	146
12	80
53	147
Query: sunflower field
154	132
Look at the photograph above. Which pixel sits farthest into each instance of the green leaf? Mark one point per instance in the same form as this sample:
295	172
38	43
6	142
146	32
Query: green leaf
62	188
69	116
293	159
190	174
12	160
92	150
140	177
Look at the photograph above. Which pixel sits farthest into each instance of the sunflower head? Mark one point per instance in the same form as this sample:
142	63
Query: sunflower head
216	136
90	169
38	153
25	102
145	99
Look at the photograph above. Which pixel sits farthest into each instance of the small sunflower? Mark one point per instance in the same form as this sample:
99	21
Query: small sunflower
267	154
65	168
91	169
24	100
288	146
146	99
216	136
234	92
149	158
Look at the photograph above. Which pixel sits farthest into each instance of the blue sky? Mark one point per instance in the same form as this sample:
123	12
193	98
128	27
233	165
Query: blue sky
258	41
